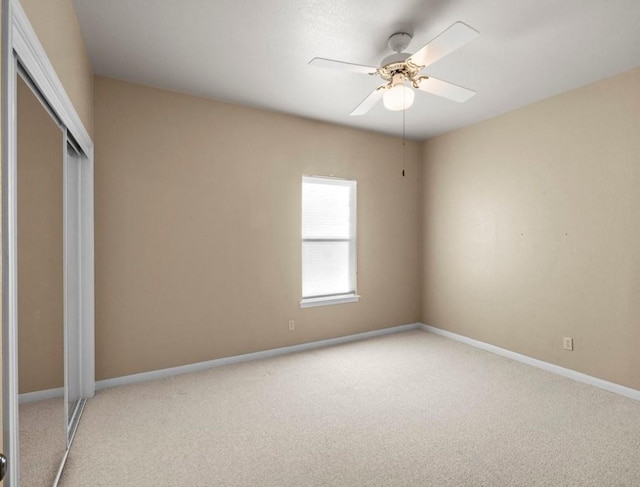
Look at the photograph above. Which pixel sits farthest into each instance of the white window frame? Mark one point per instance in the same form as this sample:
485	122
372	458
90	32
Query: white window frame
352	296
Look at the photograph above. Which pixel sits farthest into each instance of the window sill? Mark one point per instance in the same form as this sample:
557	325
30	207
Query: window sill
313	302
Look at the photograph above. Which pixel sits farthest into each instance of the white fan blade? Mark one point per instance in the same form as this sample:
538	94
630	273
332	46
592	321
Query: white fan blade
448	41
341	65
446	90
367	104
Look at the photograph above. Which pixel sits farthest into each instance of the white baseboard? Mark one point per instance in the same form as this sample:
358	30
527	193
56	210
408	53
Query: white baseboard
556	369
185	369
40	395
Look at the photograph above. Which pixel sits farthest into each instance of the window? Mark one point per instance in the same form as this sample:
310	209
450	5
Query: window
328	241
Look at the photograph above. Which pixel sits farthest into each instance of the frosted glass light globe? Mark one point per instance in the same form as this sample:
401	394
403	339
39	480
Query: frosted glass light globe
398	97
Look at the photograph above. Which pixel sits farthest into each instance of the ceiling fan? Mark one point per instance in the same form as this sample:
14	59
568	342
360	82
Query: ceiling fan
402	67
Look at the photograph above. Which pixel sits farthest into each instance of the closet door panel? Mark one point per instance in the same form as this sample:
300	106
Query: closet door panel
40	169
72	265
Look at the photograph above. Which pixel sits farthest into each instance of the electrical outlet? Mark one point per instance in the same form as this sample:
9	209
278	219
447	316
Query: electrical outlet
567	343
292	325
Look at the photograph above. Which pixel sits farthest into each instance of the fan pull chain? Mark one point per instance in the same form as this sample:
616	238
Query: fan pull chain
403	138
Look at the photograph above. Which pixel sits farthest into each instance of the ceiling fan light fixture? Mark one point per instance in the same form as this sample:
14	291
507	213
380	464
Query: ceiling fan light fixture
401	67
398	97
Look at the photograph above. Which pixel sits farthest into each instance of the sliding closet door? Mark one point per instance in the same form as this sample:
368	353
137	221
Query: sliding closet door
68	320
72	284
40	285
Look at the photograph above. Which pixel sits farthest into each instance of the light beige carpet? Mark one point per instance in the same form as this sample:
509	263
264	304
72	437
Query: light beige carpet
411	409
43	441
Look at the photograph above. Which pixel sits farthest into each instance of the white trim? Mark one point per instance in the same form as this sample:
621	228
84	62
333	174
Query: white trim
87	277
540	364
11	445
36	396
313	302
185	369
66	259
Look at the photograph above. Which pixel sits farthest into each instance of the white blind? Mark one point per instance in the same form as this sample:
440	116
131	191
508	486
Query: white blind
328	237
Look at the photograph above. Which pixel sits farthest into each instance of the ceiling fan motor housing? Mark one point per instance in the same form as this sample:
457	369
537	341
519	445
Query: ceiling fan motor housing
397	63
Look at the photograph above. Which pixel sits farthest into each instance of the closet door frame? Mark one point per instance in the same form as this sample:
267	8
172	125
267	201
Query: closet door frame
73	332
21	47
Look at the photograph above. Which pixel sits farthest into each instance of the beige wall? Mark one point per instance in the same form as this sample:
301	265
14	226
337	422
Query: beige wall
531	230
1	239
40	247
56	26
198	228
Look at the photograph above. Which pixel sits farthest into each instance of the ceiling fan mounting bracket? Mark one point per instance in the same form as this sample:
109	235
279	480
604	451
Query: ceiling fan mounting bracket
399	41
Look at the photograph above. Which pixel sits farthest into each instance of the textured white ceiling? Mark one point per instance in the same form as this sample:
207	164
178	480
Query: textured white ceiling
256	52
